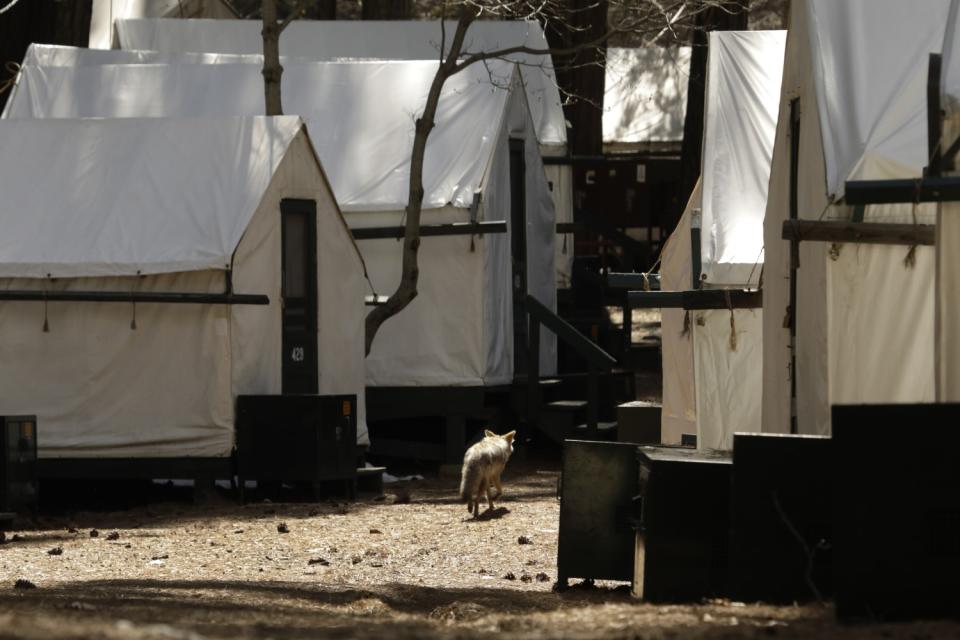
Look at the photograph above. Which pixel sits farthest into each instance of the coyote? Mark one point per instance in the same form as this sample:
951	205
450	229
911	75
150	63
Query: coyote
482	465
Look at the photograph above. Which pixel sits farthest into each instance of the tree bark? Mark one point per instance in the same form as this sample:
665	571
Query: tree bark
581	75
410	272
272	69
732	18
387	9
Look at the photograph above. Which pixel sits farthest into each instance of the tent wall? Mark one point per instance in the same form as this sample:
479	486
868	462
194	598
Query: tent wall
459	328
727	351
864	317
438	339
679	410
256	331
102	389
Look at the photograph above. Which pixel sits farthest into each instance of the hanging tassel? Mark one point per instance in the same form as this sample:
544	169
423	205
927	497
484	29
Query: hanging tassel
910	260
686	325
733	333
473	248
46	323
133	319
564	244
646	281
733	324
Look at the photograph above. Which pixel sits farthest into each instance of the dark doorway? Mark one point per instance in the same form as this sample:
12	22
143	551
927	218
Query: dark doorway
518	253
299	291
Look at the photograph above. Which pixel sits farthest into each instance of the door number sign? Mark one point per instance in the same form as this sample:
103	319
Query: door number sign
297	355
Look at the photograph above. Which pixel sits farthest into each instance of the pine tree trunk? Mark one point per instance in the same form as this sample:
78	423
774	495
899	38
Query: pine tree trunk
387	9
581	76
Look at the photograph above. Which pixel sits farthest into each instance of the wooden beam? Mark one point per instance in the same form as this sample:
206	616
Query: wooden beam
697	299
902	191
858	232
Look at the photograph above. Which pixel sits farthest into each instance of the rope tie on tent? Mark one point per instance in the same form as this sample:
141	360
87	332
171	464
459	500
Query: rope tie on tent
733	324
46	323
564	250
686	325
910	260
473	247
646	281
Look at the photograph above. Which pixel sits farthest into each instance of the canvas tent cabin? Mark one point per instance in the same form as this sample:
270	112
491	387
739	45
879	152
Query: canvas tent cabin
712	341
482	165
126	322
105	12
319	40
634	185
853	109
645	99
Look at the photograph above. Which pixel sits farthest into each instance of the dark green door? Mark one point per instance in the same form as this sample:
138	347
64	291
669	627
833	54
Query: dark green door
299	291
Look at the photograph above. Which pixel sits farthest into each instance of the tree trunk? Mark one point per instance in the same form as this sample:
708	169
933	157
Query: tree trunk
581	76
321	10
410	272
387	9
716	19
272	69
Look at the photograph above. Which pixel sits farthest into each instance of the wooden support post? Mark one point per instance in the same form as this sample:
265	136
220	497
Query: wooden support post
593	401
533	375
627	325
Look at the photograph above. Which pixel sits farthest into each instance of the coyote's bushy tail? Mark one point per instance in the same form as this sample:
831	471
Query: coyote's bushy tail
470	477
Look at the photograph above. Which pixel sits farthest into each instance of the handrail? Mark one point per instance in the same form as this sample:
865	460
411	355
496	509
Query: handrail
568	333
134	296
596	357
634	281
428	230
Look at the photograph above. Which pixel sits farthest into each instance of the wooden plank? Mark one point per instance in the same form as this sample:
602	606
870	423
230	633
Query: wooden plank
858	232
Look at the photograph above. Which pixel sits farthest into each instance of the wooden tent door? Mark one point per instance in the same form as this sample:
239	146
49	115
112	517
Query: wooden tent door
518	253
299	295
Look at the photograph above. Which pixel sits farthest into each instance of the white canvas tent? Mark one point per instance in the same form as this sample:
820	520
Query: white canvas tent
105	12
459	329
712	359
645	98
855	83
159	207
319	40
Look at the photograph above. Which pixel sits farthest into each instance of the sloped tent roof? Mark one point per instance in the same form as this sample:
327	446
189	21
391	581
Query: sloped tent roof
104	12
870	72
320	40
364	147
100	218
742	100
645	94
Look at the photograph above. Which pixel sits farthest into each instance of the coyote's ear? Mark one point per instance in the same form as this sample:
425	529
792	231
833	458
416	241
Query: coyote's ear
509	436
488	433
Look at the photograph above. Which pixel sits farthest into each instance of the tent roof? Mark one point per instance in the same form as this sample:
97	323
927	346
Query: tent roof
321	40
360	115
742	102
645	98
871	73
136	196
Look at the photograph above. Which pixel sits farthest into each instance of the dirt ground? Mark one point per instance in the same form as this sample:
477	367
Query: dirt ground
372	568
